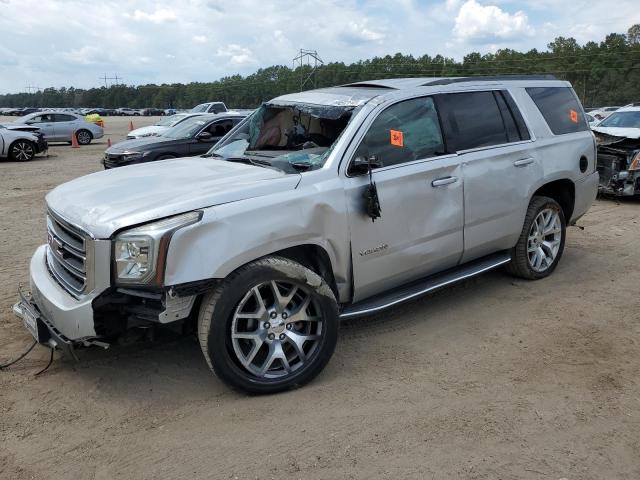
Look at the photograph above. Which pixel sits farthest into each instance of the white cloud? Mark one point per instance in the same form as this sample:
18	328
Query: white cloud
237	54
160	41
158	16
476	22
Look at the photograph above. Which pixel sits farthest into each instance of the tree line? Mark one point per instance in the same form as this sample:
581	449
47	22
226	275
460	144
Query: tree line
602	73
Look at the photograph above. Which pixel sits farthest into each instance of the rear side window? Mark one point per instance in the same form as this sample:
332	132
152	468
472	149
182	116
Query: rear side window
560	108
60	117
473	120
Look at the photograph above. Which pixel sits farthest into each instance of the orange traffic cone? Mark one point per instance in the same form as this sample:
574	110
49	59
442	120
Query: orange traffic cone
130	125
108	142
74	140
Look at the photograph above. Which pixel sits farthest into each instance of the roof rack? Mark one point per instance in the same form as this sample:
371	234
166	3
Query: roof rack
486	78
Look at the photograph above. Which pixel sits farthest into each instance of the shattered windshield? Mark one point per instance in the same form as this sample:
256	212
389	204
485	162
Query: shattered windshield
293	138
622	120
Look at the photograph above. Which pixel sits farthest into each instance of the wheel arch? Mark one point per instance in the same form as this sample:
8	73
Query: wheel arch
562	191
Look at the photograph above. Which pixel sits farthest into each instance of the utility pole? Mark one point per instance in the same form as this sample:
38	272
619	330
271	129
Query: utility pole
311	57
31	89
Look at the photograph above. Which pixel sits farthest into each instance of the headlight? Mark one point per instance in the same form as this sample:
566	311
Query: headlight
140	253
133	155
635	163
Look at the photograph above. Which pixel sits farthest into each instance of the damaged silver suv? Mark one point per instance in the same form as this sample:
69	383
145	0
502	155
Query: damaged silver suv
320	206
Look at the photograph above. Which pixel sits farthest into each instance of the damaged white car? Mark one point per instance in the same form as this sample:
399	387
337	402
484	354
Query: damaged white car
618	138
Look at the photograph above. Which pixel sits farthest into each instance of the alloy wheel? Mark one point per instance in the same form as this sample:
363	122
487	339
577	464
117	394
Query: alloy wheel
84	138
23	151
544	239
276	329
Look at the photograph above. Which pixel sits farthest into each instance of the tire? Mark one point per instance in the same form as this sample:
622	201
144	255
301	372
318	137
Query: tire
246	350
536	255
22	151
84	137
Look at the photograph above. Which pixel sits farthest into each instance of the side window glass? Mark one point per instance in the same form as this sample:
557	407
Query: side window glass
517	116
472	120
404	132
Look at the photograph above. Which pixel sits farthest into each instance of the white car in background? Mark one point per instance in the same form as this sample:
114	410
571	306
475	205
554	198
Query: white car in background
59	127
602	112
161	126
624	122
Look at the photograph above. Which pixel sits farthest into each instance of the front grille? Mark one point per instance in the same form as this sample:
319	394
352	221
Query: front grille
67	255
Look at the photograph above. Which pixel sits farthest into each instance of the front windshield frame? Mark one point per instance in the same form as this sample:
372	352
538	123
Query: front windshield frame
237	141
187	128
611	119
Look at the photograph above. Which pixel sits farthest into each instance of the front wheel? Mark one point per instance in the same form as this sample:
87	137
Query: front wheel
22	151
270	326
541	241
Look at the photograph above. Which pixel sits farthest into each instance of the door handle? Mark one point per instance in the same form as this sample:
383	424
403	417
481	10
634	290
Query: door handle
523	162
439	182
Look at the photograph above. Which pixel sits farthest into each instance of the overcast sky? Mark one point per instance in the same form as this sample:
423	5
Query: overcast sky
74	42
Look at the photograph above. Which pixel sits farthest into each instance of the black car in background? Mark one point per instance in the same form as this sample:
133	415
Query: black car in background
194	136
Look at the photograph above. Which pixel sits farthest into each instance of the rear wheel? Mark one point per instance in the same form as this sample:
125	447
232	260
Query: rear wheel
84	137
541	241
22	151
270	326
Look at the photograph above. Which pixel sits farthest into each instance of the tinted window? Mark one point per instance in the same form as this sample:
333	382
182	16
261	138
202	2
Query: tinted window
523	131
560	108
64	118
220	128
404	132
46	118
472	120
216	108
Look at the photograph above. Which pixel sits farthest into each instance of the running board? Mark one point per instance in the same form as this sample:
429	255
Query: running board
424	286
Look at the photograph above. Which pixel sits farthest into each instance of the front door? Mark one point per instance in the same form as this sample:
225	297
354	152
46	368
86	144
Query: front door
420	189
45	122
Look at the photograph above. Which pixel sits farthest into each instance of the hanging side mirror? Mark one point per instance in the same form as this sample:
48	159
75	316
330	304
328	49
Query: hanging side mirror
362	164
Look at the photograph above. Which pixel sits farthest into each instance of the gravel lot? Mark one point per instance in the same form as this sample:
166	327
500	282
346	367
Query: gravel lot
494	378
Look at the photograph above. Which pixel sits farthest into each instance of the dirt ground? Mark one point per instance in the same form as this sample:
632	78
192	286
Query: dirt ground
496	378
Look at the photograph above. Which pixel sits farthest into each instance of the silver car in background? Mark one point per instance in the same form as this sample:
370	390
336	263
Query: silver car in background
59	127
161	126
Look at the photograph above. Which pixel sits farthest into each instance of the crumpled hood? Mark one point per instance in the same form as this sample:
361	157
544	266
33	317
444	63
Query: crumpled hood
104	202
618	132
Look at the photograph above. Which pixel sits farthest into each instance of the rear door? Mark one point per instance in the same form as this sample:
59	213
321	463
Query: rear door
420	190
499	164
65	125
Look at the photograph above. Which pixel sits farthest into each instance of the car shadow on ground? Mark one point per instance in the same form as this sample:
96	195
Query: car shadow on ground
172	362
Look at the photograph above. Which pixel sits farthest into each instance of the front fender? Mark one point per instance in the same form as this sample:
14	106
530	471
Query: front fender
237	233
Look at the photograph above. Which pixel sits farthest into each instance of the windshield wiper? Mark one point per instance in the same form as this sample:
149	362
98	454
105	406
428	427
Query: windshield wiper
212	154
249	161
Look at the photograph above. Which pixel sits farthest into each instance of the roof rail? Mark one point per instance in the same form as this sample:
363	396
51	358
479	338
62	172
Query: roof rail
482	78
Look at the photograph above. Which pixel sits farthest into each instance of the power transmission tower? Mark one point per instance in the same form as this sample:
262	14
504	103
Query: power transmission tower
116	79
313	61
31	88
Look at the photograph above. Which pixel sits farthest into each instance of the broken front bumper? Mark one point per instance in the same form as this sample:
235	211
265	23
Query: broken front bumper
42	330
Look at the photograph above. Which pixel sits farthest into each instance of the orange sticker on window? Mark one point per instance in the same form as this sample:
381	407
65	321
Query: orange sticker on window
397	138
573	115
